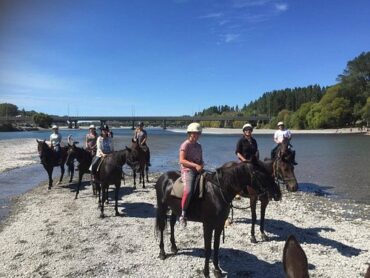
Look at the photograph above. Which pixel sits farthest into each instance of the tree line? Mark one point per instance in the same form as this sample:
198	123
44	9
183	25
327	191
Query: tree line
346	103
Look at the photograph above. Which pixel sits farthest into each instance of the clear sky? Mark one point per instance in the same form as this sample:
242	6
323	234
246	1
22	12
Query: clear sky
171	57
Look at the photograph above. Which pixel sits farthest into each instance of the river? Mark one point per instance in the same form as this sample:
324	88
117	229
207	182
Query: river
333	165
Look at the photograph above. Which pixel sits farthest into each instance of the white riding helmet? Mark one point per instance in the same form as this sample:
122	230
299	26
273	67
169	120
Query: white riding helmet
91	127
247	126
280	123
54	127
194	127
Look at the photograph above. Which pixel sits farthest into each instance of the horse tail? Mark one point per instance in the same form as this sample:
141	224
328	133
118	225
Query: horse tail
161	214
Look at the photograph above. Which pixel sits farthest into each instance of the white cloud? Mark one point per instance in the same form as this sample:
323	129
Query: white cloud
211	15
249	3
228	38
281	7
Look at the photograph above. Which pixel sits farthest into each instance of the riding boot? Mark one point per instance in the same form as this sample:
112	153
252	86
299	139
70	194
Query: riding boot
294	162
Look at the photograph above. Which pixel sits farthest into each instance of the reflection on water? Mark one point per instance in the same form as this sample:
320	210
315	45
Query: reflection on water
335	165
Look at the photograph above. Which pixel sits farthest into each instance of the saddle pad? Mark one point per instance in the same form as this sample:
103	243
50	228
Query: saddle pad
178	187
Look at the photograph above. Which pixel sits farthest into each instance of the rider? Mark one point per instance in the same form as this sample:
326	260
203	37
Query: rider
55	141
90	141
104	147
141	137
247	148
191	164
281	134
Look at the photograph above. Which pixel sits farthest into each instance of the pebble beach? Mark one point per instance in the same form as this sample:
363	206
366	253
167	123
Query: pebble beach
50	234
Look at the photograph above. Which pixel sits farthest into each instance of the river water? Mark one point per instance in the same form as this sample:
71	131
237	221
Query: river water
333	165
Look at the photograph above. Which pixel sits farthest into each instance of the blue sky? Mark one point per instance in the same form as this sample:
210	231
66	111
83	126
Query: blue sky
171	57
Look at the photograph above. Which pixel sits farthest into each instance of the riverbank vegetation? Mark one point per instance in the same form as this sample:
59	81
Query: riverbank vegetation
344	104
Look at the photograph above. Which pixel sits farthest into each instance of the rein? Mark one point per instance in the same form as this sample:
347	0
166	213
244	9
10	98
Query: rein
276	172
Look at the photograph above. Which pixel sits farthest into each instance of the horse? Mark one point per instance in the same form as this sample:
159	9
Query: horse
257	189
212	210
84	158
294	259
284	166
141	165
49	160
110	172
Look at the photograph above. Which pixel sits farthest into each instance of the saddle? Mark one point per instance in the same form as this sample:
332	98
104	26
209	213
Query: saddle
199	187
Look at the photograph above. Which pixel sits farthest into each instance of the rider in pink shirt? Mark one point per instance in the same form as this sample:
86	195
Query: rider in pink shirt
191	164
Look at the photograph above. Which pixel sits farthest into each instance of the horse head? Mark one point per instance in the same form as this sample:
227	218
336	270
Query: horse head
42	147
284	167
71	152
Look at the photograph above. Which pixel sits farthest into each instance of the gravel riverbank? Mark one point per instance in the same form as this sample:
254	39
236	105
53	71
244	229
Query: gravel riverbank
49	234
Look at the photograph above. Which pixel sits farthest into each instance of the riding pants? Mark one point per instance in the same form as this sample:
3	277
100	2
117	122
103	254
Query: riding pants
58	151
94	164
188	179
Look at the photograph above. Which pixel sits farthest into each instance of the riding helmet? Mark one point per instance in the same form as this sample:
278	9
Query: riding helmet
194	127
247	127
280	123
54	127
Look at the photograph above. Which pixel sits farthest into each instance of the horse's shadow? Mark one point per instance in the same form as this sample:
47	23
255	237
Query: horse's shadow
73	185
237	263
139	210
316	189
282	229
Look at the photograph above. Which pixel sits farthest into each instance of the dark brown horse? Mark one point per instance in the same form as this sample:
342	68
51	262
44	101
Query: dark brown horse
84	158
49	160
110	172
212	210
294	259
258	189
140	165
284	166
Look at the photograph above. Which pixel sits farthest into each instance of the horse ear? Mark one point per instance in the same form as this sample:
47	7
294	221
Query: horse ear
294	259
37	140
367	275
219	172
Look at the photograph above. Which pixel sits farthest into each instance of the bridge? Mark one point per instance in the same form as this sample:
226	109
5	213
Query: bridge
163	121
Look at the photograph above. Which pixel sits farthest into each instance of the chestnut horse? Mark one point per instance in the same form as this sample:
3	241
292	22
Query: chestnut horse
49	160
212	210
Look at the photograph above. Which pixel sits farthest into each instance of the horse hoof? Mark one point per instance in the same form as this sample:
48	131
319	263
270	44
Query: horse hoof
118	214
253	239
174	249
162	256
102	215
217	273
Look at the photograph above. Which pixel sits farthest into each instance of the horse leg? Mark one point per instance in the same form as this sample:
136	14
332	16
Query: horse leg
207	234
253	202
80	174
62	173
98	187
142	175
134	173
216	247
147	171
50	175
173	241
93	184
71	170
160	223
123	178
264	203
118	185
103	192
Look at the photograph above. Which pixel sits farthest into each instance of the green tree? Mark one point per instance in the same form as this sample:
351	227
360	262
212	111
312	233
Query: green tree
42	120
8	109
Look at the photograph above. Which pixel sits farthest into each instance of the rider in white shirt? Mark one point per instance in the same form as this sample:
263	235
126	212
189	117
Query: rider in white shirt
55	141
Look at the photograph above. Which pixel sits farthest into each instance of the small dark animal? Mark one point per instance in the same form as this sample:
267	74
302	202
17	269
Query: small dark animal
49	160
212	210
